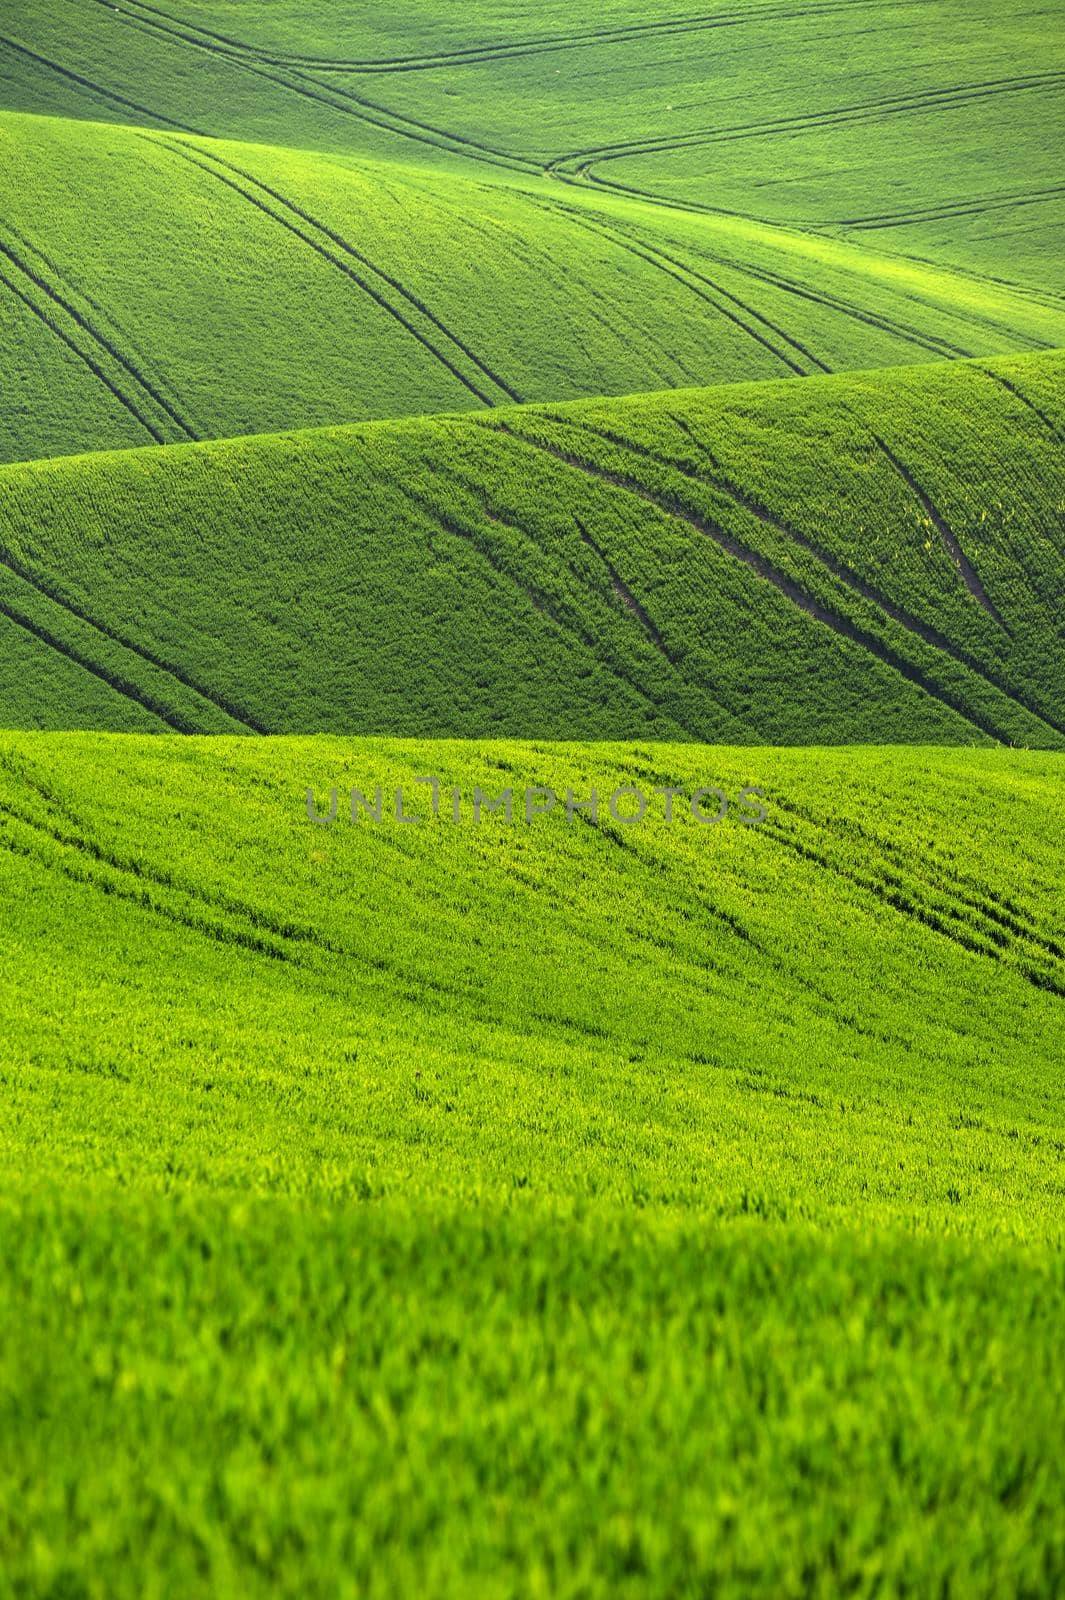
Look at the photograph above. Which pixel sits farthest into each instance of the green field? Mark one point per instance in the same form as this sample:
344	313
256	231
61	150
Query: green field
558	1208
657	565
203	235
474	424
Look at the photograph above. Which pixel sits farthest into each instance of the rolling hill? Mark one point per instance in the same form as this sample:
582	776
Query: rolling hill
218	219
863	558
532	722
503	1185
156	289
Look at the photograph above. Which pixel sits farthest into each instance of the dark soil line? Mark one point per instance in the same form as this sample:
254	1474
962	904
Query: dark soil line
839	569
750	310
959	208
1022	398
97	371
340	266
140	870
950	543
900	330
49	592
540	603
328	96
620	589
843	626
1009	917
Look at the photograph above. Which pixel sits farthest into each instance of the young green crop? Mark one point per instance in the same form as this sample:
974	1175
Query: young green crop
561	1208
849	560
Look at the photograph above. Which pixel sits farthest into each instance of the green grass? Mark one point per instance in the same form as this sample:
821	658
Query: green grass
209	228
560	1208
829	115
155	288
551	1208
660	565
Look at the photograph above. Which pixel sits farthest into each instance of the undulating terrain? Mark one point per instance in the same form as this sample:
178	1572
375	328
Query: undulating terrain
532	712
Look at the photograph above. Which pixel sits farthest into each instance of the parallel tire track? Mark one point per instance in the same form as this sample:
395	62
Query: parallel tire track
136	361
100	341
86	84
120	685
48	592
861	112
619	232
832	302
478	492
943	920
959	208
349	249
758	564
676	270
73	838
185	153
341	101
499	50
54	327
973	896
837	568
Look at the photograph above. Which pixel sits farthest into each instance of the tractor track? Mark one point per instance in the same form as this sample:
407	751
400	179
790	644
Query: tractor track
341	101
89	86
960	208
960	560
841	625
47	592
860	112
184	152
94	367
136	362
98	339
674	269
121	686
495	51
478	492
537	599
349	249
839	570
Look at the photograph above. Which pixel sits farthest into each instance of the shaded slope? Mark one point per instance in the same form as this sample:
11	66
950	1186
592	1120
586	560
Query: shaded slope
155	288
858	558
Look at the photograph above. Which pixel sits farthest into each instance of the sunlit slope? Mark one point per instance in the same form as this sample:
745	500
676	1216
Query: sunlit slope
158	289
638	943
937	122
332	1155
858	558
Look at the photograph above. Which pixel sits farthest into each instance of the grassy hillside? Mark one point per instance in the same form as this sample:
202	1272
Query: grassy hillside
851	559
938	123
155	289
562	1208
